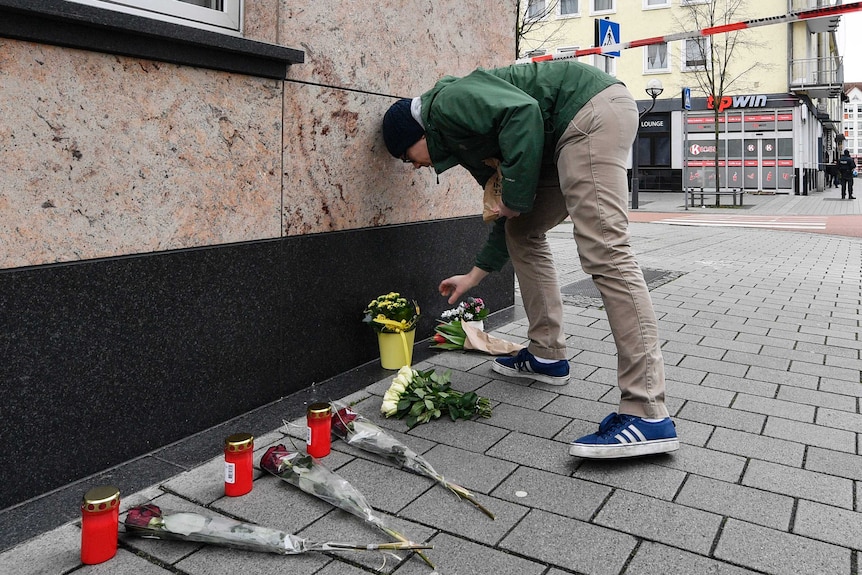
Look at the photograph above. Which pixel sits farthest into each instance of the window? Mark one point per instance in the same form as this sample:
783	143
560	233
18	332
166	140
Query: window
649	4
535	9
217	15
603	6
696	54
656	58
569	8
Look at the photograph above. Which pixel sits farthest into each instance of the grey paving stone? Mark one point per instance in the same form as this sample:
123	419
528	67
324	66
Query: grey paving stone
579	408
834	463
779	553
445	512
341	526
123	563
840	419
659	520
723	417
714	366
842	387
457	360
384	486
702	393
733	500
657	559
768	406
684	374
642	476
55	551
846	362
795	482
595	359
688	349
534	452
581	388
729	383
825	371
811	434
795	354
830	524
817	398
570	544
724	345
757	446
465	434
765	340
704	462
457	556
516	392
212	559
558	494
828	349
527	421
782	377
338	567
692	432
473	471
762	360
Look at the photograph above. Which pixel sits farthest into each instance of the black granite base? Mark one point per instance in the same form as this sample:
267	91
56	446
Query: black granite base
106	361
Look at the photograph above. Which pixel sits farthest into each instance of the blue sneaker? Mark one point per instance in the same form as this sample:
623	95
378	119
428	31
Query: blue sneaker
525	365
623	435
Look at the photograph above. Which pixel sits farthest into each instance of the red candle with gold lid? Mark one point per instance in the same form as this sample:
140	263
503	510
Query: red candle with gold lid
319	439
100	519
238	467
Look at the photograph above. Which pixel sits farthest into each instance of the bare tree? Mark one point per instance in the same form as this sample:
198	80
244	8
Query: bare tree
533	27
714	60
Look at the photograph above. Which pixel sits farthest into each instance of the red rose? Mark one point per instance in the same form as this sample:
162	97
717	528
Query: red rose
341	419
141	515
272	458
439	338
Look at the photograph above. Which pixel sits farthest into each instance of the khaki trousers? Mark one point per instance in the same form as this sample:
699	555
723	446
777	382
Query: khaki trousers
590	185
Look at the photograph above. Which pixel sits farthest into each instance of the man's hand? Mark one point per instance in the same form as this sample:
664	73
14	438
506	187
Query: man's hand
504	211
456	286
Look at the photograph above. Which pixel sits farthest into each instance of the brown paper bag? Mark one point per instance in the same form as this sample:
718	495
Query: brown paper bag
493	192
481	341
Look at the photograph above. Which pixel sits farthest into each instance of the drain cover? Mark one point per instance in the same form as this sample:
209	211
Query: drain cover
584	292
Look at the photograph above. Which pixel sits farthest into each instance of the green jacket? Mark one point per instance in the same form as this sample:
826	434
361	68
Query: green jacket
516	114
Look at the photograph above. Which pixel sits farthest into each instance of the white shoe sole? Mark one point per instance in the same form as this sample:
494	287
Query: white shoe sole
624	450
550	380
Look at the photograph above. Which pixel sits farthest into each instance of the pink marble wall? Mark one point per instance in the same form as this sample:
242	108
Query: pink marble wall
103	155
358	59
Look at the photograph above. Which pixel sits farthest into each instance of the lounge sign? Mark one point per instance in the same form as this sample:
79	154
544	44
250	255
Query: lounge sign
736	102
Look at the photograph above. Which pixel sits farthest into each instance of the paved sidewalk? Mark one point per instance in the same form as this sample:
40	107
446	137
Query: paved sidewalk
762	334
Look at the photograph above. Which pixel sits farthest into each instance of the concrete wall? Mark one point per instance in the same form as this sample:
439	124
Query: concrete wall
182	244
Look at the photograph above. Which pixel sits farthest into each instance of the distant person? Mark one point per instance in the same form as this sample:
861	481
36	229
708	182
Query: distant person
846	167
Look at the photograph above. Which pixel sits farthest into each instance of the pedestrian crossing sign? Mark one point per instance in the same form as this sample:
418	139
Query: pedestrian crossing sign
608	34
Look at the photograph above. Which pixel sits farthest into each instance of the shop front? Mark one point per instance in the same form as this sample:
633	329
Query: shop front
759	143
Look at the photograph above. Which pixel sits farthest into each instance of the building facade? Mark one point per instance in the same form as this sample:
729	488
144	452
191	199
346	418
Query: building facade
196	205
851	120
779	114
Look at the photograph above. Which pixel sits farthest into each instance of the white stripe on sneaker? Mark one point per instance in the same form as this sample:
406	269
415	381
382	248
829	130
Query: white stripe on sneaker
631	438
637	432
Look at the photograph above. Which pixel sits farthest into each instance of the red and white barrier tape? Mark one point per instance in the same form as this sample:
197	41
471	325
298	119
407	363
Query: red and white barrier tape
825	12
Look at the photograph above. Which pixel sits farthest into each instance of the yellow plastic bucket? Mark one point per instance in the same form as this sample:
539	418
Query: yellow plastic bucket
396	349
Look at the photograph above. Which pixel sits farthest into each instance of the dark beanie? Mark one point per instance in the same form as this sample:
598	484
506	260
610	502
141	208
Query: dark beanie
400	130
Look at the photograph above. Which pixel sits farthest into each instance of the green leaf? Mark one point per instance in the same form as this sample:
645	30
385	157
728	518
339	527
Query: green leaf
417	408
429	404
411	421
420	393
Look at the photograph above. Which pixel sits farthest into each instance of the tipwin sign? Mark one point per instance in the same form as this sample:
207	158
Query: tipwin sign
736	102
